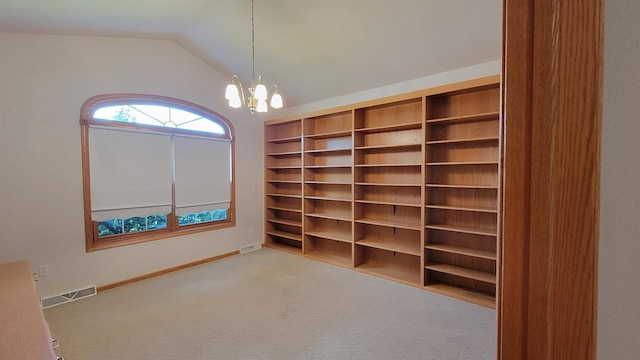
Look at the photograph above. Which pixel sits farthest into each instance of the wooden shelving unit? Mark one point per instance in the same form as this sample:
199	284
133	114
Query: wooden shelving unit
283	185
328	179
388	167
461	200
404	188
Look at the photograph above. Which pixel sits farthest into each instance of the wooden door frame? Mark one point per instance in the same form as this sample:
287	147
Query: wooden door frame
551	117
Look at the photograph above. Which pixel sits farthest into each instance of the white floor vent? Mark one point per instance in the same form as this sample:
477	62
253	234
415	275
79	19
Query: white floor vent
65	298
249	248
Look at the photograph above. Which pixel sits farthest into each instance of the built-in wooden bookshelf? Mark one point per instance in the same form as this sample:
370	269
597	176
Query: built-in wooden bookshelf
328	179
461	201
283	186
404	188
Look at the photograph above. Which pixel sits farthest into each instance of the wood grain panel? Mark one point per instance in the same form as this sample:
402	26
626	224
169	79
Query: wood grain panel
552	116
409	111
328	123
465	102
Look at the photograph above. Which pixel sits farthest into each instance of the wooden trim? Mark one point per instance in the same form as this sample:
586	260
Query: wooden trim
89	231
165	271
137	238
125	98
552	94
92	243
474	83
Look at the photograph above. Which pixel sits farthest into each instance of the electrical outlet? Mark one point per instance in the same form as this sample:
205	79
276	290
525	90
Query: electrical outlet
251	228
43	270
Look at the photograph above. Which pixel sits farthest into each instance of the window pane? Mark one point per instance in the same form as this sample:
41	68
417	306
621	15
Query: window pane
158	115
203	124
156	222
205	216
219	214
131	225
135	224
110	227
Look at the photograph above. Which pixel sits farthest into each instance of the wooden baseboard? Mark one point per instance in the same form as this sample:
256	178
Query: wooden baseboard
164	271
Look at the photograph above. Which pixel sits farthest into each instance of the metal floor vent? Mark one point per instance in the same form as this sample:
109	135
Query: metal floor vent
65	298
249	248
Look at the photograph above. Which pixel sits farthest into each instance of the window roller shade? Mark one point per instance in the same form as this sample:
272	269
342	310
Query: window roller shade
130	174
202	174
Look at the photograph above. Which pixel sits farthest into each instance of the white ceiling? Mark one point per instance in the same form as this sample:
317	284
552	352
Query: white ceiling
313	49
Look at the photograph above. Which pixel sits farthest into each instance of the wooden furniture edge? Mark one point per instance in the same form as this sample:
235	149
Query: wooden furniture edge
24	333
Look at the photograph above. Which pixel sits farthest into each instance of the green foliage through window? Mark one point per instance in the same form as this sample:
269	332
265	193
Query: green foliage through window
131	225
205	216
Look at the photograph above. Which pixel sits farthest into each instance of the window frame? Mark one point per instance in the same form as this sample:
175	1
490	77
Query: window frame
92	241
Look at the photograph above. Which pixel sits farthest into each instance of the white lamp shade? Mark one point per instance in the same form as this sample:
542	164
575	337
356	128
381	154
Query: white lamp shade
261	92
262	106
276	101
232	92
235	102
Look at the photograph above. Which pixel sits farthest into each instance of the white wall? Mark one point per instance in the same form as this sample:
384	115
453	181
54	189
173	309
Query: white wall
449	77
619	266
43	82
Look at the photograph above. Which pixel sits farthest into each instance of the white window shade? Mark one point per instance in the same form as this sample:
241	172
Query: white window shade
202	174
130	174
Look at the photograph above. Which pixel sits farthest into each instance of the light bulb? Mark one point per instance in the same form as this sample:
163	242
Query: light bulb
235	102
232	92
276	100
262	106
261	92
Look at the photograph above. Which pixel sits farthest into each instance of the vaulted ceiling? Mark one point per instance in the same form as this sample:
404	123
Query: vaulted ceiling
313	49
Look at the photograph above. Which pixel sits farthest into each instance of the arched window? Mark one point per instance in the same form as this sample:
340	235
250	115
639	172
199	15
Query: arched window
154	167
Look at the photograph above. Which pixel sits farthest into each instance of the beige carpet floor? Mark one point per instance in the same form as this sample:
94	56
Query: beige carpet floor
268	304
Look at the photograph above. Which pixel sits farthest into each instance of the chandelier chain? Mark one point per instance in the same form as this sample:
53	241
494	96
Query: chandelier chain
258	92
253	46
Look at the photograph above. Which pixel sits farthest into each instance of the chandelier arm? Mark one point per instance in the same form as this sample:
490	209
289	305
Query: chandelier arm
236	80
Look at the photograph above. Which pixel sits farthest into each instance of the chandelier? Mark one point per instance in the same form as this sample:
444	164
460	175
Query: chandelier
258	93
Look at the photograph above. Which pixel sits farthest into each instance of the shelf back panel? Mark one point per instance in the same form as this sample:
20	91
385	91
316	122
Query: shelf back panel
461	131
283	202
483	151
274	148
404	112
389	175
284	174
390	138
467	102
389	194
284	130
328	123
472	198
328	191
335	174
328	159
435	277
466	219
484	175
471	241
388	156
343	142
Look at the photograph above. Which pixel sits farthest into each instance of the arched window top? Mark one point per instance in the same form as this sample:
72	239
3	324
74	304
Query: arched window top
155	112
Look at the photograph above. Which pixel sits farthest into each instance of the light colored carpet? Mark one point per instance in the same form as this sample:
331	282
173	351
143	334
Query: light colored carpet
268	304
